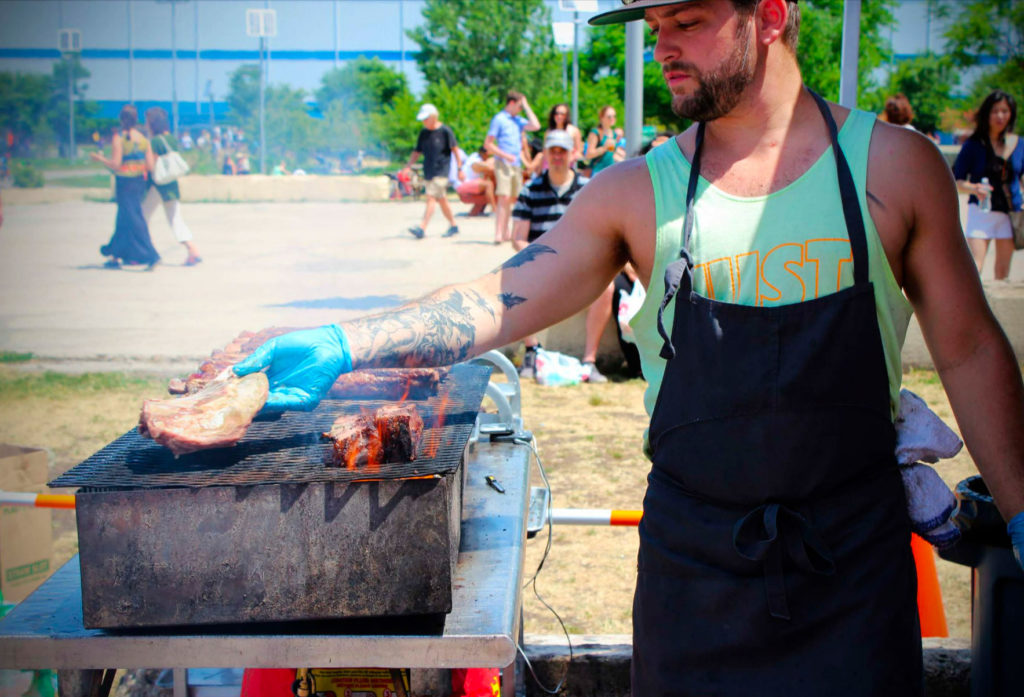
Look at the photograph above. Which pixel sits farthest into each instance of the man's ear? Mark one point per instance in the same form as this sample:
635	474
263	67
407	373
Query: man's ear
771	17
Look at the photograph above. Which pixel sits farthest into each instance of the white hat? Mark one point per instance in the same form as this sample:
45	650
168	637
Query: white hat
558	139
426	111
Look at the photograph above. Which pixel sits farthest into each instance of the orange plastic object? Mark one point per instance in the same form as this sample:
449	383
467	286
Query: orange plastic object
625	517
929	594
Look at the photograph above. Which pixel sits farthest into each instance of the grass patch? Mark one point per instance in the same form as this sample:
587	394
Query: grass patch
83	181
50	385
14	357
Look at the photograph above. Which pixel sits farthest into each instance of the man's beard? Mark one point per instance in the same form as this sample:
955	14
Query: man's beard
720	88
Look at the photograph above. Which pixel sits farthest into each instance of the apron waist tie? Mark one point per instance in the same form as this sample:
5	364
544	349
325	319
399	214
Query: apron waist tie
771	530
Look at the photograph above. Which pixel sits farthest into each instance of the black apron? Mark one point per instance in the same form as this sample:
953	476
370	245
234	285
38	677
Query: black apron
775	547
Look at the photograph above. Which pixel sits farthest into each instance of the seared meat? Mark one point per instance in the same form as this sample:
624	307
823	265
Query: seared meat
400	427
391	434
387	383
214	417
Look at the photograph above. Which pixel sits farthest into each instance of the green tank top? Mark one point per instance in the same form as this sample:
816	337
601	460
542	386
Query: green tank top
783	248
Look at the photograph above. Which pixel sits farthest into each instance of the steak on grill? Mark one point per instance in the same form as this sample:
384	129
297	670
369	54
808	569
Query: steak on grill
214	417
388	383
391	434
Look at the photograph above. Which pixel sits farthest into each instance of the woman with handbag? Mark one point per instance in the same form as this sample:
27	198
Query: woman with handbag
164	144
989	168
131	160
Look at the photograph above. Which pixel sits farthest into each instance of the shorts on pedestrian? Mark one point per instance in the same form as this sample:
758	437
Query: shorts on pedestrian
508	178
437	187
987	225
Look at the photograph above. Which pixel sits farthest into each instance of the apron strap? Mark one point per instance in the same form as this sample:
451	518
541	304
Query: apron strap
771	532
848	192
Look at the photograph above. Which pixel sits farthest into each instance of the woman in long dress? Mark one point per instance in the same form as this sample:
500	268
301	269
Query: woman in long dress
169	194
131	160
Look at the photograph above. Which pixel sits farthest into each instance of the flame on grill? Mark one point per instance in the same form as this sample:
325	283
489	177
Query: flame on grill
430	450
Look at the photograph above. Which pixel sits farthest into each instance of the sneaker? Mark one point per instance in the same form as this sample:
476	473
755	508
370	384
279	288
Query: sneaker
451	232
592	374
528	369
416	232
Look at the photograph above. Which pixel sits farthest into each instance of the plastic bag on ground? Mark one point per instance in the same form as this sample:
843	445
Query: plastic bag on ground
555	368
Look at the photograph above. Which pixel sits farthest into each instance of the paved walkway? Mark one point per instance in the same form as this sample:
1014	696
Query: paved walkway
264	264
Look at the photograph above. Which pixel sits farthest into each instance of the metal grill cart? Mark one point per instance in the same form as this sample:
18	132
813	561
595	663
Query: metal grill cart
49	630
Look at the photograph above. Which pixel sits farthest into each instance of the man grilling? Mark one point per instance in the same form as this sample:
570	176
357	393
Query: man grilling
783	254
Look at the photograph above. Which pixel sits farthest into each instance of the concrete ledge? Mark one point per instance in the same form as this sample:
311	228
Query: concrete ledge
600	665
258	187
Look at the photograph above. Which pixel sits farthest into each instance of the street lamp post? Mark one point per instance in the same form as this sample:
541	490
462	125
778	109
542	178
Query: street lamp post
69	41
262	24
576	6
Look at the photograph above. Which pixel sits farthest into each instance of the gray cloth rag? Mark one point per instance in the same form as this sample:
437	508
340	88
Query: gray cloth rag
921	436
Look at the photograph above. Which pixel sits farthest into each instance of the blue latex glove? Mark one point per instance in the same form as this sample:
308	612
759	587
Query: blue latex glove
1016	531
301	367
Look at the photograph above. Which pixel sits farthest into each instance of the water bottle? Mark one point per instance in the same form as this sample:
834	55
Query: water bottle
985	204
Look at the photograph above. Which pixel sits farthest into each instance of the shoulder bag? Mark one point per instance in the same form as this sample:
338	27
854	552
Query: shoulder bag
170	166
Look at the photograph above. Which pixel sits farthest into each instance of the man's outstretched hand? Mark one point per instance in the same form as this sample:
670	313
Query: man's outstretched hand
301	367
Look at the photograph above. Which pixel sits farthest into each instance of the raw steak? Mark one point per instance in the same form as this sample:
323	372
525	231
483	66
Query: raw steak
214	417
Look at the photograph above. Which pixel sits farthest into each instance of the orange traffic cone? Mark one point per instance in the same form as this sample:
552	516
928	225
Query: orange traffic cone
929	595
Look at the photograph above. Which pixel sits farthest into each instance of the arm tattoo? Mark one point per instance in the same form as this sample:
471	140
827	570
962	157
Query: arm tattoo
439	330
510	300
526	256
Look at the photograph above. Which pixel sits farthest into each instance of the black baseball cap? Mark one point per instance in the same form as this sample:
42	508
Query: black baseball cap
632	10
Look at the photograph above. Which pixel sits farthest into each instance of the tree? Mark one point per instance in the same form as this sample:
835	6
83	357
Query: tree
244	92
821	36
362	84
491	46
927	82
987	28
85	110
25	101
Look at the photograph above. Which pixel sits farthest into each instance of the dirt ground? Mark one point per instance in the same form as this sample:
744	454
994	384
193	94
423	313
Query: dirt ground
589	441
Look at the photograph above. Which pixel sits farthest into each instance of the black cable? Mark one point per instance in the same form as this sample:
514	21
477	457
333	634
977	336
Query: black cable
533	580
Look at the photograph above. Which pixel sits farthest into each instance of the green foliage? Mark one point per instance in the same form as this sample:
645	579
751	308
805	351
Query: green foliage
467	110
362	84
26	176
24	107
820	49
51	385
605	61
987	28
394	127
14	357
927	82
489	46
244	93
85	111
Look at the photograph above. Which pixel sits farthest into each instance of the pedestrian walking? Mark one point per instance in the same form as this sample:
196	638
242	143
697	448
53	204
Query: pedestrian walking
169	194
436	143
131	161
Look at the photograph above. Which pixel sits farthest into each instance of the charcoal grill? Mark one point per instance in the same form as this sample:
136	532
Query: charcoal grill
265	532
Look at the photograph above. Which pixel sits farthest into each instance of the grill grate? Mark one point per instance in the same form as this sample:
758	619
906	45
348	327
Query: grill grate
290	450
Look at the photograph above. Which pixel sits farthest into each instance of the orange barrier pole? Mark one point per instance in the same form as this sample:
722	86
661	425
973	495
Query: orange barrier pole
18	498
929	594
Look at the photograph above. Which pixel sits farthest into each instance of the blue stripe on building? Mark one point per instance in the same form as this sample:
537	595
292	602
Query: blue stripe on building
214	55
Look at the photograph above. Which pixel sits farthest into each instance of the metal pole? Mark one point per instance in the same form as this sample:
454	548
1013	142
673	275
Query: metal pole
334	6
565	74
575	69
634	85
71	107
131	53
174	70
195	21
401	36
266	4
263	140
851	48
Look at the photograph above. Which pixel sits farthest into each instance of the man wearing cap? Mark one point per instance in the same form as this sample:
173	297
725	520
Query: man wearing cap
505	141
436	143
783	254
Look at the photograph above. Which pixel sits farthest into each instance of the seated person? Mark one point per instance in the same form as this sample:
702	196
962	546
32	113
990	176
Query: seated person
478	186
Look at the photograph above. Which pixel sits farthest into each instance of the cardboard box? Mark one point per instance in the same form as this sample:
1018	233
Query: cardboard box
26	534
